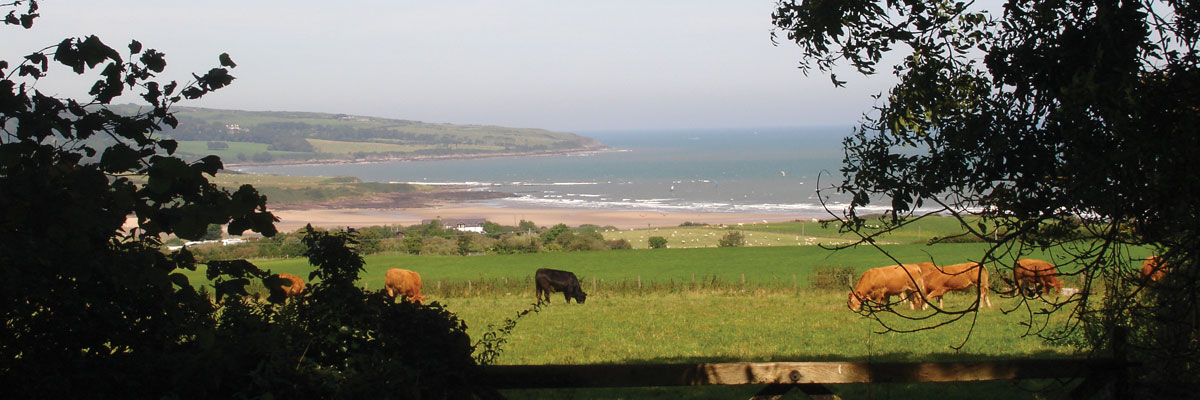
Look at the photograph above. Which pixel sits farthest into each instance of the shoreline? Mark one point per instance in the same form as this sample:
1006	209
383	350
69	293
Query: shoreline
291	220
370	160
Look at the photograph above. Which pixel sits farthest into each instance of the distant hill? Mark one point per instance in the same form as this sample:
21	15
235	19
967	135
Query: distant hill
275	136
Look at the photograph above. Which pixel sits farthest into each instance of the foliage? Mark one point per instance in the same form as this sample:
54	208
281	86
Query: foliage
94	311
513	244
1056	124
86	304
618	244
830	277
212	233
732	239
657	242
438	246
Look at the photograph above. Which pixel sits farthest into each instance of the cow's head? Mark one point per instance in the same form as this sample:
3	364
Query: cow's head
579	296
855	303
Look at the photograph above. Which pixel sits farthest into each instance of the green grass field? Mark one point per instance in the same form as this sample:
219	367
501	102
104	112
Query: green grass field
230	155
751	304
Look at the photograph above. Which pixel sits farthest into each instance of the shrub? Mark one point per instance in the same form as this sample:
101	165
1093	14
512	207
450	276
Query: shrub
439	246
831	277
658	242
619	244
732	239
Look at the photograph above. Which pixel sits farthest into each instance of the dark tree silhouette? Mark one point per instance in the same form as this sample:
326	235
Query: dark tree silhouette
95	309
1066	126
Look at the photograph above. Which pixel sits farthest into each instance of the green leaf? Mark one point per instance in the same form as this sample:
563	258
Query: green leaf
226	61
180	280
120	158
168	145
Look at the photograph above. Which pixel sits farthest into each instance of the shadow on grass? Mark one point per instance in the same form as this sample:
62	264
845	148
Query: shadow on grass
1005	389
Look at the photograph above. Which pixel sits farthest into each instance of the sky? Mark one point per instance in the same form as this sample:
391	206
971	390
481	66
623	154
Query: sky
571	66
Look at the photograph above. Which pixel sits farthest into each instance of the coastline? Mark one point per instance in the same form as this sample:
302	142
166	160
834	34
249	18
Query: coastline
294	219
372	160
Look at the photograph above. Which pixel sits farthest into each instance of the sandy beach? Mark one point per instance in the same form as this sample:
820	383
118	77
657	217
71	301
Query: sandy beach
290	220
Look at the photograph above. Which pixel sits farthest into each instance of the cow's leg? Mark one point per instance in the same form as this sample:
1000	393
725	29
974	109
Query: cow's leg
567	296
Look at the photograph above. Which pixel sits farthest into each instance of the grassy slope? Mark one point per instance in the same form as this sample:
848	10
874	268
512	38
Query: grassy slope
284	190
462	139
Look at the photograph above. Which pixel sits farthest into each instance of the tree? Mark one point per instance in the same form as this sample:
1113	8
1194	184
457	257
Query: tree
94	310
88	304
464	244
1066	126
658	242
212	233
556	232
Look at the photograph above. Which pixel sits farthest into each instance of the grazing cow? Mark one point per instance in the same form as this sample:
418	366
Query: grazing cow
1153	269
880	284
546	281
403	282
939	280
1042	275
293	290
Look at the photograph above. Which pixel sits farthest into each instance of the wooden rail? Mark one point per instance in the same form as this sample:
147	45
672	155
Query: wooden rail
784	376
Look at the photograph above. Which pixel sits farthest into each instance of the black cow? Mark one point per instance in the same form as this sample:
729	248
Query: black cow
552	280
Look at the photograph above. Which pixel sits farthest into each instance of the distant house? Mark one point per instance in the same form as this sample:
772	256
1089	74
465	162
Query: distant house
462	225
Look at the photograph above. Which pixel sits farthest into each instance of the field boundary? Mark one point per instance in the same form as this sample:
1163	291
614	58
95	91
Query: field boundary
809	377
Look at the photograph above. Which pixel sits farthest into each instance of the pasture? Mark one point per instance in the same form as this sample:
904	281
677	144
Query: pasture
751	304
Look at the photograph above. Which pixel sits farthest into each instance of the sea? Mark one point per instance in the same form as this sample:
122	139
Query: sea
778	171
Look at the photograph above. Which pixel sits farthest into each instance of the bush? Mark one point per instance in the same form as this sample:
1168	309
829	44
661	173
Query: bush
732	239
439	246
513	244
619	244
658	242
832	277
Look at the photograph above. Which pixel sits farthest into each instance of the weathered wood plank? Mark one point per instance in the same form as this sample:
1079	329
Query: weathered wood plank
643	375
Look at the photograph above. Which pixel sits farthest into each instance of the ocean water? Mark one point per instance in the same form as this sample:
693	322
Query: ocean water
774	171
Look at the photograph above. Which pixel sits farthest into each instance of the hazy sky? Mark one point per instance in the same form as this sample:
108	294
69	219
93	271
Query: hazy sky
561	65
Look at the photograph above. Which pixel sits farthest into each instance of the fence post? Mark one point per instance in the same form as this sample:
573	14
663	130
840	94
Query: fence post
593	284
639	282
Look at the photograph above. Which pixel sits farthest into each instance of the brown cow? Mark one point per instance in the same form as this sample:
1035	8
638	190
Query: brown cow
403	282
295	289
880	284
1038	273
939	280
1153	269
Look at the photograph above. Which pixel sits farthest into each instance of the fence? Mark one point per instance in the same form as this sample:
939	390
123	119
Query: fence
809	377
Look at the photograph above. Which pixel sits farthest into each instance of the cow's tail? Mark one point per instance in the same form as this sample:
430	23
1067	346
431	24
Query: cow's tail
984	285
